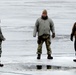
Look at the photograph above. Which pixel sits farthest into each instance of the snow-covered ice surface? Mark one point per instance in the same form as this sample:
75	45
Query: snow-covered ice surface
17	21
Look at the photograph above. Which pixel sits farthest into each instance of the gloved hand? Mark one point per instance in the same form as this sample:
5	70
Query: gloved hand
53	35
71	37
4	39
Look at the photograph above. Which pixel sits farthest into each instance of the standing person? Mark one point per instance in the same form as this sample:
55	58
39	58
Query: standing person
73	34
1	39
43	26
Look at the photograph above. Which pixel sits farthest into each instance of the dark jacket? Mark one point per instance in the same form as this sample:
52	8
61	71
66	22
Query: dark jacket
73	33
1	36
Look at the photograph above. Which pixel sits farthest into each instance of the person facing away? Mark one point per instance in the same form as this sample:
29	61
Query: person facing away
73	34
43	26
1	39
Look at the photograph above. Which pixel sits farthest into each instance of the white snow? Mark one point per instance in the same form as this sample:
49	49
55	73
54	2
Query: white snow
17	21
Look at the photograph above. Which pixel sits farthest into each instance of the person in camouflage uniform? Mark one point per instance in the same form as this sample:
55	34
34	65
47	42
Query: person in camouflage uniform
43	26
1	39
73	34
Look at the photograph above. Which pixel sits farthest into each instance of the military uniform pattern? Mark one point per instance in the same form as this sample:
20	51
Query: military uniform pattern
41	40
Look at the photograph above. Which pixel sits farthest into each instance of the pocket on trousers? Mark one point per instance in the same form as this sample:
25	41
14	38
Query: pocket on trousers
48	42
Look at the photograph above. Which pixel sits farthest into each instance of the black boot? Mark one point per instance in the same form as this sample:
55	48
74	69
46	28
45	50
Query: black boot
39	55
49	56
1	65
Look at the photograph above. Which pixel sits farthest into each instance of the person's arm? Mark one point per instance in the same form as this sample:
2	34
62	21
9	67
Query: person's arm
2	37
52	28
35	28
72	33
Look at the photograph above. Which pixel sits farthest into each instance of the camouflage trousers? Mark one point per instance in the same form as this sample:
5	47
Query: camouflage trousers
41	40
0	48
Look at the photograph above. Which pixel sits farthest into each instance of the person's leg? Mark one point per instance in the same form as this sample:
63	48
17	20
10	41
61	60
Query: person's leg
1	65
75	46
39	49
49	52
47	42
0	48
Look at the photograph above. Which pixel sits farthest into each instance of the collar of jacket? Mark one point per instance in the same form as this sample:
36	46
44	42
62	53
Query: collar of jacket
44	18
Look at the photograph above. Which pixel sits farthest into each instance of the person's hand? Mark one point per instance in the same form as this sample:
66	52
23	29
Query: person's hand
53	35
71	37
4	39
34	35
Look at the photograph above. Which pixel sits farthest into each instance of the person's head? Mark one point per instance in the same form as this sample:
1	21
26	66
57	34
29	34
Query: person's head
75	24
44	14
